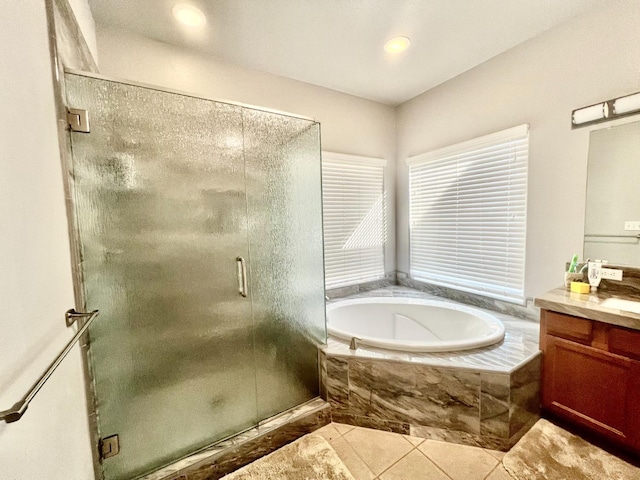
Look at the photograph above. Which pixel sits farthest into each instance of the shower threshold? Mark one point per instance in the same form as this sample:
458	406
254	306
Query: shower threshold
234	452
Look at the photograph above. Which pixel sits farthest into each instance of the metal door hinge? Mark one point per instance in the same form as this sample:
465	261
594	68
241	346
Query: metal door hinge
109	446
78	120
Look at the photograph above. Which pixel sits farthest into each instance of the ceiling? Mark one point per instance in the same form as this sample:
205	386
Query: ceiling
338	44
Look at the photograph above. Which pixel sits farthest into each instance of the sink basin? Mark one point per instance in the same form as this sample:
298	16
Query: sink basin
620	304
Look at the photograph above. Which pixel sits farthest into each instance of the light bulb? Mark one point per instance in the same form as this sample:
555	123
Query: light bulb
188	15
397	44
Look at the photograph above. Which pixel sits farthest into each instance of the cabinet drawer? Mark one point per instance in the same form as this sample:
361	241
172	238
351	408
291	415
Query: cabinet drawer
566	326
625	342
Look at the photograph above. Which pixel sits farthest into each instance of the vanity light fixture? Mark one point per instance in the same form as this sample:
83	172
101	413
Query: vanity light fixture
590	114
397	45
188	15
609	110
628	104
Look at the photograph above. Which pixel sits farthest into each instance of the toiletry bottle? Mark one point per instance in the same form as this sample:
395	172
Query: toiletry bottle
595	274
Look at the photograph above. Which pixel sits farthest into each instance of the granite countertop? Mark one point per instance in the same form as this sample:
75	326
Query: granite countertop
587	305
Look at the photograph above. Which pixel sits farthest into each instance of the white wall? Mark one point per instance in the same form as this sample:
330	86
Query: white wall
87	25
52	440
349	124
586	60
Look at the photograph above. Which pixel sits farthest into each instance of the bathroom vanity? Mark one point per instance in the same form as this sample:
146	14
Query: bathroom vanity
591	342
591	365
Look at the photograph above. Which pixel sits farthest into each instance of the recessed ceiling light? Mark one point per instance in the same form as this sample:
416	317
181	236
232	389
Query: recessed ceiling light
397	44
188	15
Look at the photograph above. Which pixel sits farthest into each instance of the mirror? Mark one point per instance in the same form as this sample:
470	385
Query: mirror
613	195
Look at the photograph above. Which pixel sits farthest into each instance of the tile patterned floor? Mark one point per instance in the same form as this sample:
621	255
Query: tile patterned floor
376	455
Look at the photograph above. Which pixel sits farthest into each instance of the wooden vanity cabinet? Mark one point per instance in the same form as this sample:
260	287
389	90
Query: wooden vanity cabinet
591	376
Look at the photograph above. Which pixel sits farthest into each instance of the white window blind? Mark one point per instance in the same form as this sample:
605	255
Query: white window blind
354	218
468	215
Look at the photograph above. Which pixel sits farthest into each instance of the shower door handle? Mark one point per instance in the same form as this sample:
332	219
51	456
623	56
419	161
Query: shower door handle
242	276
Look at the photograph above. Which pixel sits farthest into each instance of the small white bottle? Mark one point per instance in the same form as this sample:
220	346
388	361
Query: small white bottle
595	274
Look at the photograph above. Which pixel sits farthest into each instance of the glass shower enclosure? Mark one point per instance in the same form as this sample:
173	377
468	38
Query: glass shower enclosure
200	231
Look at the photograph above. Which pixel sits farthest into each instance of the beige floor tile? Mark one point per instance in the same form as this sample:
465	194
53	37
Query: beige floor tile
342	427
460	462
495	453
351	460
329	432
414	466
379	450
499	474
415	441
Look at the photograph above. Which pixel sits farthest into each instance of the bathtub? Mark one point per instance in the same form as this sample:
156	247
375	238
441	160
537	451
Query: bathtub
413	325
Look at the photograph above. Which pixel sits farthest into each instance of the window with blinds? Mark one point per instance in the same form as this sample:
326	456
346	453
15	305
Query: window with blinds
468	215
353	202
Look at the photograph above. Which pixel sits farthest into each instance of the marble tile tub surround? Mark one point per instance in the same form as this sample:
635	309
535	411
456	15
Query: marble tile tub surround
224	457
389	279
528	311
487	409
486	397
521	342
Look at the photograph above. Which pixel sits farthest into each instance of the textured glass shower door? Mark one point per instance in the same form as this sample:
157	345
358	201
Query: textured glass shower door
168	190
161	207
282	157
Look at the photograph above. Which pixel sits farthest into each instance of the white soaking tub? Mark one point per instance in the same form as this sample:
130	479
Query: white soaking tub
413	325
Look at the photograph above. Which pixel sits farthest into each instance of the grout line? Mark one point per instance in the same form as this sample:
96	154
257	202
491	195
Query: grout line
492	470
489	450
369	466
413	445
339	433
403	437
414	448
356	452
433	461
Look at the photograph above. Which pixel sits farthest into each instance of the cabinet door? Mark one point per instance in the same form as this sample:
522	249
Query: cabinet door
633	406
591	387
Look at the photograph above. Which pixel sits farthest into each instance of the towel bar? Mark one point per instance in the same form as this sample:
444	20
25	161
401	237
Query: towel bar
15	413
